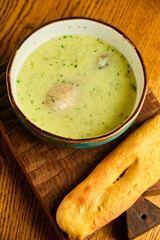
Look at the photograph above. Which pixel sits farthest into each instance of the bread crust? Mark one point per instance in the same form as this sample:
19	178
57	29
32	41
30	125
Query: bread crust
115	184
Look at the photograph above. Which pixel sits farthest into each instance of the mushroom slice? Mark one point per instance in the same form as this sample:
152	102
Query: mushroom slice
102	60
62	96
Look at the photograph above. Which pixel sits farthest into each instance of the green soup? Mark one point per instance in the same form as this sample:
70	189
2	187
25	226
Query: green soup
76	87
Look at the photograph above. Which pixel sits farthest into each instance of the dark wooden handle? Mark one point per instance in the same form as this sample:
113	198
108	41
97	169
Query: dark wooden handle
141	217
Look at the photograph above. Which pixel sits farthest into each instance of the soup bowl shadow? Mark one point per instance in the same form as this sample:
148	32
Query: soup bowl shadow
83	26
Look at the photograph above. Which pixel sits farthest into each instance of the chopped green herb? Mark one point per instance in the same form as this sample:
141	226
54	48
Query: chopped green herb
18	81
133	86
32	102
128	71
63	81
64	64
71	64
77	85
90	115
50	64
42	102
61	75
98	39
75	66
64	36
62	46
100	67
95	50
71	36
72	83
32	63
117	74
112	50
85	27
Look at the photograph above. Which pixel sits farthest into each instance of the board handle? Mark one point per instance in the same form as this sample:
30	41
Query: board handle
141	217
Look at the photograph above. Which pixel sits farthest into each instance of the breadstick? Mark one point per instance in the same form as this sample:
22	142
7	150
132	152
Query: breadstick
115	184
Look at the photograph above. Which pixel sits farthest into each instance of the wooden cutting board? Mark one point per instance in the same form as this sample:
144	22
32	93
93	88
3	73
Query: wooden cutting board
51	170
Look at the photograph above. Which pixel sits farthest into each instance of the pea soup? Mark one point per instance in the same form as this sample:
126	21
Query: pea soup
76	86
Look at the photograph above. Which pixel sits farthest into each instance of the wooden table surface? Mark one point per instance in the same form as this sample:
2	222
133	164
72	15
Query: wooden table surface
21	216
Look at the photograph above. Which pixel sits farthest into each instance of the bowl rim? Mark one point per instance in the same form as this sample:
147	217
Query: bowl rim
49	135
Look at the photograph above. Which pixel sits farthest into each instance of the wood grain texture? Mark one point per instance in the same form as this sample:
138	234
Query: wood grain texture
21	216
137	19
153	190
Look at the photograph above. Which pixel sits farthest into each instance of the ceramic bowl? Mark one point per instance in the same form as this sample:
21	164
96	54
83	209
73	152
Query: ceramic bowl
85	27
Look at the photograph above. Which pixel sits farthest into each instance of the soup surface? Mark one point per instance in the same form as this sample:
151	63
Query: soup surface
77	87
